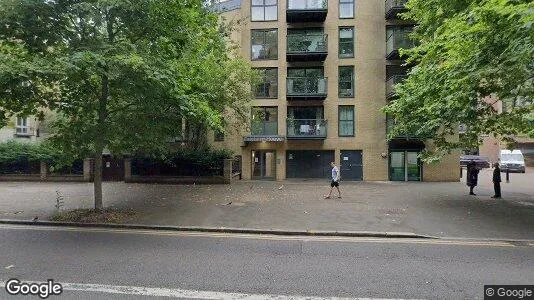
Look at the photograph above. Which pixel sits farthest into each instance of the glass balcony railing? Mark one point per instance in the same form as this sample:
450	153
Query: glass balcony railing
307	4
306	128
264	128
394	6
302	44
391	82
399	39
306	86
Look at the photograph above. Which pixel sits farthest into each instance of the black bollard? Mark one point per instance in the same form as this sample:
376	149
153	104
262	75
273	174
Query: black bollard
461	172
507	175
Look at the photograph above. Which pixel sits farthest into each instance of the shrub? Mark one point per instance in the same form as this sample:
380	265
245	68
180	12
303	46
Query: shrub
184	162
25	157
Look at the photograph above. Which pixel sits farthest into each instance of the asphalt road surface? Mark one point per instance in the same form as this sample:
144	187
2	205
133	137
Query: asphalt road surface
136	264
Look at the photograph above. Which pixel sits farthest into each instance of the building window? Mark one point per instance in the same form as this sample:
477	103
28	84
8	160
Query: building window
346	81
346	120
22	126
264	120
346	9
218	136
346	42
264	44
264	10
268	87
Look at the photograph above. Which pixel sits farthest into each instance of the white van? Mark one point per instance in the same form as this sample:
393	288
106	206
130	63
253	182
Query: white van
512	160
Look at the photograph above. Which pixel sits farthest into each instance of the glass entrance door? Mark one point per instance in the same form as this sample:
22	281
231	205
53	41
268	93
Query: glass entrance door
263	165
404	166
413	169
396	166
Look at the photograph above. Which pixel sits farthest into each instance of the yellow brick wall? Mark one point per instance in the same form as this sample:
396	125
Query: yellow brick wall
370	71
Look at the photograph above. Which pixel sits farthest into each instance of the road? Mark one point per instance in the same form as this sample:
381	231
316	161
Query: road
136	264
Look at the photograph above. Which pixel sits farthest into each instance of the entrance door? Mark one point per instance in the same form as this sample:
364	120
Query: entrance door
264	165
404	166
351	165
309	163
112	168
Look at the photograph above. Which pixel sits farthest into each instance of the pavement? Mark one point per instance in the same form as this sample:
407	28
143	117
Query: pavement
140	264
435	209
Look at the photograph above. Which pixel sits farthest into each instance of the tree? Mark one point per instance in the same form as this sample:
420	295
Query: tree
119	74
471	54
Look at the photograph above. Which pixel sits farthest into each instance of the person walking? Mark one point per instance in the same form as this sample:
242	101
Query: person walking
497	180
335	181
472	176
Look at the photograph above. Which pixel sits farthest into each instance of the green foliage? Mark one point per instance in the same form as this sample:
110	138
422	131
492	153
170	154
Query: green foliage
117	72
471	54
185	161
14	153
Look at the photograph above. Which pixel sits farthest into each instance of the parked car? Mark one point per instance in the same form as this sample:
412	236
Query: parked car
512	161
480	161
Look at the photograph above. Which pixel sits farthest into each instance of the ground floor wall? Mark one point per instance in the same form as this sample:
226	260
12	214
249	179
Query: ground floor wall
375	163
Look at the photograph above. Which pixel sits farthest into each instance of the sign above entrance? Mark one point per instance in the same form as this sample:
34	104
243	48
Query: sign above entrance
264	138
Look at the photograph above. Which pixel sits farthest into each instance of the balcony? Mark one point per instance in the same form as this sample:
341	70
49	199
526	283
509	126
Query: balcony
307	47
306	129
399	39
306	11
390	85
305	88
264	132
394	8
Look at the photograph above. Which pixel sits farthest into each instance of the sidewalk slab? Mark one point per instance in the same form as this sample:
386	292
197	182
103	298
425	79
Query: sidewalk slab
428	209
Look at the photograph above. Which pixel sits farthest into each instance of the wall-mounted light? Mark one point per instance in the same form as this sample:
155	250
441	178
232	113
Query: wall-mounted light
384	154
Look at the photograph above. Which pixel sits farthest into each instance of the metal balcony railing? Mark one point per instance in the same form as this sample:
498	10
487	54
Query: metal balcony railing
306	86
307	4
301	44
306	128
394	6
399	39
391	82
264	128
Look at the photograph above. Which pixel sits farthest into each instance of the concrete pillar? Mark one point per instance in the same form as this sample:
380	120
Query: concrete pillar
44	169
88	169
227	172
127	169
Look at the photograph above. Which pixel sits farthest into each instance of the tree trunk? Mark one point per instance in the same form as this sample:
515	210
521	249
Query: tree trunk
98	176
100	140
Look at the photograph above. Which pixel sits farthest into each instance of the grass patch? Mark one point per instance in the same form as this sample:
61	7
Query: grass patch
107	215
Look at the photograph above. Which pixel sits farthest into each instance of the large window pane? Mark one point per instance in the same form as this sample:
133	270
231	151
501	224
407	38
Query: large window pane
346	9
346	81
271	13
346	120
268	87
346	42
264	44
264	121
264	10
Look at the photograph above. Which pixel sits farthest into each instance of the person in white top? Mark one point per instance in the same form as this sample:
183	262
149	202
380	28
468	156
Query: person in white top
335	181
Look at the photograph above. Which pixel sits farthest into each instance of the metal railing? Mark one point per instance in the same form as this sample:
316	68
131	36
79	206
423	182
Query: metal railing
399	39
264	128
300	43
399	4
306	128
306	86
391	82
307	4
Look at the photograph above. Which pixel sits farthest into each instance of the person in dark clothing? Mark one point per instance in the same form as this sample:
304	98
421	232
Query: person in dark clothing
497	181
472	176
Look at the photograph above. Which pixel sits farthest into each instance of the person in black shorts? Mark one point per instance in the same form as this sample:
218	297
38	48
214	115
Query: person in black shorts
334	182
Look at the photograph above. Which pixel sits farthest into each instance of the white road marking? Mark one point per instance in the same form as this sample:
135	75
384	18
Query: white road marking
450	242
181	293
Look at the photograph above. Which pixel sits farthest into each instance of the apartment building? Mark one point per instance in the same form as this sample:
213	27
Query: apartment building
328	67
22	129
